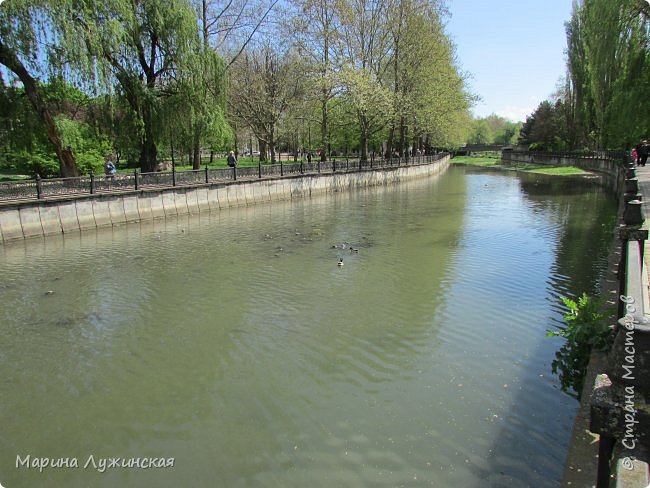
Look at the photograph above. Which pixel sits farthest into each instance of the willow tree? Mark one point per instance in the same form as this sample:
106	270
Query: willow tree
25	46
143	45
199	113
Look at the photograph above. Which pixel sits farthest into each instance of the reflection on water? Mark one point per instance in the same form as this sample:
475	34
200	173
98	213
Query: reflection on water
233	343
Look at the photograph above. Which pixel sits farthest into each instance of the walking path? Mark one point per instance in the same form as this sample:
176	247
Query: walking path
643	174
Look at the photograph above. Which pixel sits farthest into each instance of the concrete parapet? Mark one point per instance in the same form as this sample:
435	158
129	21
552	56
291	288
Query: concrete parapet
10	225
68	217
222	197
144	207
169	203
180	200
50	219
191	200
30	221
202	203
157	205
213	198
101	213
233	196
116	210
131	209
85	212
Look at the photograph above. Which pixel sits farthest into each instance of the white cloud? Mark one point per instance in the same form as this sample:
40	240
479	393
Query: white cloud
516	113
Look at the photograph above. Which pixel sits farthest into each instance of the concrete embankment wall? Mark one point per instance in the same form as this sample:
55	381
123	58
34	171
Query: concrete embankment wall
611	171
64	215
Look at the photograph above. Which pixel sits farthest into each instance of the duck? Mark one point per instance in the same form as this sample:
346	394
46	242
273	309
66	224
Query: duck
353	249
340	263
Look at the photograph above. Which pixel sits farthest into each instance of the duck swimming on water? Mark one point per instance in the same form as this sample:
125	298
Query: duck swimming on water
340	263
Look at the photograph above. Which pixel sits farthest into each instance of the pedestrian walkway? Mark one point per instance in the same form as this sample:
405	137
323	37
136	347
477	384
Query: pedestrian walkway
643	175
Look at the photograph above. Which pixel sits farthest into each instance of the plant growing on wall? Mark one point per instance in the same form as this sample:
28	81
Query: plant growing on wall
585	331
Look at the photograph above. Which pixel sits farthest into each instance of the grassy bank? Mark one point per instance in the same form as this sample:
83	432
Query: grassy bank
476	161
494	162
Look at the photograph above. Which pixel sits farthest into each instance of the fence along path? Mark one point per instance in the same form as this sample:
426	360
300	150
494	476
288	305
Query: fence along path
40	188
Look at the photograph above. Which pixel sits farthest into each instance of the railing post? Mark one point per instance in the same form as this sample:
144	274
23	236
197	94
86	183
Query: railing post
39	188
301	167
259	169
333	165
174	175
92	182
281	168
135	178
318	165
207	177
234	173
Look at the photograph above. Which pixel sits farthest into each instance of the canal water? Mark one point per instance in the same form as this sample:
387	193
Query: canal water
232	346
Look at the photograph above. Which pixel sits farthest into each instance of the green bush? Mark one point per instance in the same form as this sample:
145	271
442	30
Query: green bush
585	331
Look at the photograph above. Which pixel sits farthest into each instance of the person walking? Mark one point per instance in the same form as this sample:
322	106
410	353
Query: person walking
643	151
109	169
232	159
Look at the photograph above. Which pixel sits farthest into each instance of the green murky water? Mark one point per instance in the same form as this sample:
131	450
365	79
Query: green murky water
234	344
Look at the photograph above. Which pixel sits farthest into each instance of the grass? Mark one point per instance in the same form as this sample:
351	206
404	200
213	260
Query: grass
476	161
9	174
494	162
558	170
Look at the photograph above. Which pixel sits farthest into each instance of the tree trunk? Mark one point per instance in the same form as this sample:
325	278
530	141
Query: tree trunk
324	131
149	151
197	156
262	145
67	164
364	143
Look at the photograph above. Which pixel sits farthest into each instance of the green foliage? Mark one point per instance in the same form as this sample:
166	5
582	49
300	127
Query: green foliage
584	332
90	149
607	95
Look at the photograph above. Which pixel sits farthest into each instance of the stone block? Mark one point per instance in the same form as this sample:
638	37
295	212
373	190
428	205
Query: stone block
68	217
101	213
30	221
50	219
85	217
10	225
116	210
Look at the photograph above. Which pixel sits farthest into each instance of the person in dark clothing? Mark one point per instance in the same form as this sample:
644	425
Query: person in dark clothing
643	151
232	159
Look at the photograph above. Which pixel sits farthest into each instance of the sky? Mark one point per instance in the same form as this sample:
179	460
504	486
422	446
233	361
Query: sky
513	50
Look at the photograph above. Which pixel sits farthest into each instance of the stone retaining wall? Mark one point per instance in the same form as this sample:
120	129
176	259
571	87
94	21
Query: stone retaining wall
64	215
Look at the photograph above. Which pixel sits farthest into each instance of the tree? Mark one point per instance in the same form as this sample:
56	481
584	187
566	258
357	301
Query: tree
607	82
272	84
145	46
372	105
431	102
23	39
366	50
543	129
316	25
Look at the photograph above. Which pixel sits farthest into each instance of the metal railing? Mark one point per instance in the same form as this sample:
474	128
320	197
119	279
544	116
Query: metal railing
41	188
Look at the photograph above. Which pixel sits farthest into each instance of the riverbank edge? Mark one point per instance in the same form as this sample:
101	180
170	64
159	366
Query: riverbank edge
581	463
62	215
